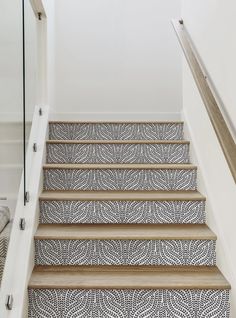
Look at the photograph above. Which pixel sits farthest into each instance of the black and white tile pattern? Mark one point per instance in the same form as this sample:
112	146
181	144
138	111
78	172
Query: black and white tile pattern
120	179
122	212
4	242
117	153
116	131
125	252
82	303
68	303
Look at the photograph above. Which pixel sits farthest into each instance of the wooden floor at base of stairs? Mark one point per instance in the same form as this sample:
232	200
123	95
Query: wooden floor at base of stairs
127	277
124	232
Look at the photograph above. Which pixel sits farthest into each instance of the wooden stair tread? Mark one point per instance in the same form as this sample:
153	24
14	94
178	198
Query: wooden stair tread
132	277
124	231
123	195
72	141
120	166
115	122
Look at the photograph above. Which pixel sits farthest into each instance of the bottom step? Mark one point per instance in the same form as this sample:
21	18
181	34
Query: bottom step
136	292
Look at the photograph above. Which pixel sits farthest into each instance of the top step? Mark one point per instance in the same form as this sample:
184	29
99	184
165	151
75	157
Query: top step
116	130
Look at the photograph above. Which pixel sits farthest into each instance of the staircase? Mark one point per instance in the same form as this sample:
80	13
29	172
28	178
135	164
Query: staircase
122	230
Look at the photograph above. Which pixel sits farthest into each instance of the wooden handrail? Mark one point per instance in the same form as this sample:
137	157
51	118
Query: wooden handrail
221	128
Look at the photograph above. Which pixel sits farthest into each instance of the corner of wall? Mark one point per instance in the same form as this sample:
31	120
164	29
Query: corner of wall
225	261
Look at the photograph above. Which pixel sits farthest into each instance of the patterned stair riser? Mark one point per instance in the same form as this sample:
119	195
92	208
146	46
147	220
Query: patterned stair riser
115	131
120	179
4	242
125	252
2	264
117	153
122	212
78	303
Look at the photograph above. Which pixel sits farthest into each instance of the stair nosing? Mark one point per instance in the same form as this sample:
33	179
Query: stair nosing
113	141
114	122
169	166
75	195
125	268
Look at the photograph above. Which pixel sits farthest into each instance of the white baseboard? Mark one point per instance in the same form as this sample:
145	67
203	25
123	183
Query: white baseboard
115	116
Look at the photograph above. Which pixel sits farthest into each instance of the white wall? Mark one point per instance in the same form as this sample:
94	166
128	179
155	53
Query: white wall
11	69
10	60
49	77
211	33
114	58
212	26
